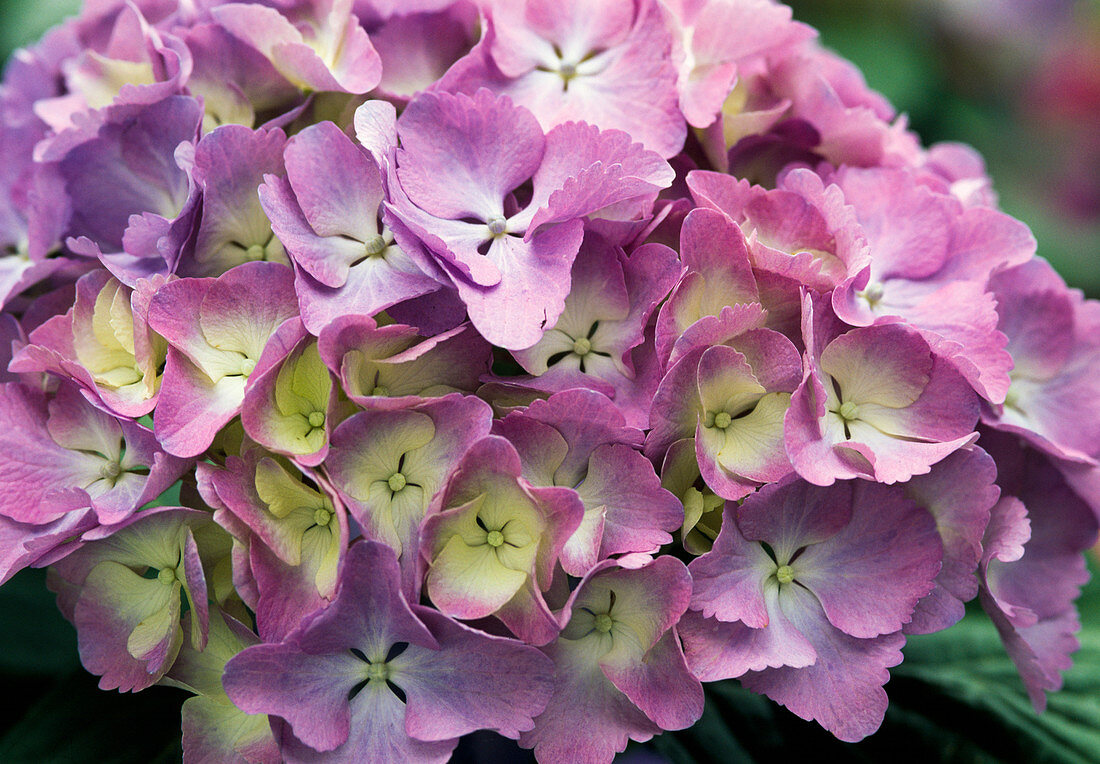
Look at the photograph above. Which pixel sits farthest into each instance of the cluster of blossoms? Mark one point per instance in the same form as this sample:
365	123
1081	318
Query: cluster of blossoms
520	365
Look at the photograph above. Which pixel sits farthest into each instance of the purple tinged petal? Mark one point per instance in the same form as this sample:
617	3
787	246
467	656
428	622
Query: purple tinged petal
452	164
888	553
959	492
69	455
533	286
308	679
127	625
230	164
1055	368
719	275
23	545
587	719
842	690
639	514
585	420
337	56
318	708
662	686
585	170
729	580
676	409
132	154
376	129
542	448
719	650
793	514
376	735
474	681
1030	597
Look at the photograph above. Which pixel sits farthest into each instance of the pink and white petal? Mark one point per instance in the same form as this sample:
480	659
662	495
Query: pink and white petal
896	459
585	170
353	183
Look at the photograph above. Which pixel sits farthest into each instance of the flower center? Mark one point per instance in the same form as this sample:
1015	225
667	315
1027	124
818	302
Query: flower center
722	420
603	623
396	482
255	252
247	366
316	419
849	411
498	226
785	574
582	347
166	576
375	246
377	671
322	516
110	470
872	294
494	538
380	391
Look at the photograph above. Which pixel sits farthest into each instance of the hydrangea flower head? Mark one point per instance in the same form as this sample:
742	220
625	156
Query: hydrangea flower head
380	372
